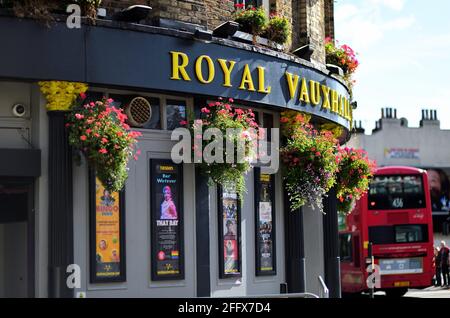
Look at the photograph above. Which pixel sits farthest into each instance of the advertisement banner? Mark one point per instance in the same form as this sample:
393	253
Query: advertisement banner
265	231
229	229
166	215
107	235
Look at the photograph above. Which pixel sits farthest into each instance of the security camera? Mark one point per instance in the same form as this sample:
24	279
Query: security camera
19	110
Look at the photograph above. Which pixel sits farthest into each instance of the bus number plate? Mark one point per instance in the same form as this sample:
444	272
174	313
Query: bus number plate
401	284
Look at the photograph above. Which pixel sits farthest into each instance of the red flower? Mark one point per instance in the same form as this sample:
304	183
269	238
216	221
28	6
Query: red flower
103	151
205	110
104	140
83	96
83	137
183	123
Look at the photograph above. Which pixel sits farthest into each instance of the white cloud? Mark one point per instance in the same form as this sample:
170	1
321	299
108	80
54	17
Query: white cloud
399	23
404	57
396	5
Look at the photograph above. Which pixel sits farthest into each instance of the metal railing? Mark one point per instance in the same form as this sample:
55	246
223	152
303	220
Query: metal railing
324	292
292	295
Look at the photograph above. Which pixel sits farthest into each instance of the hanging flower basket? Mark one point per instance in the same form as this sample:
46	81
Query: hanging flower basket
223	115
100	132
309	161
251	20
277	29
354	173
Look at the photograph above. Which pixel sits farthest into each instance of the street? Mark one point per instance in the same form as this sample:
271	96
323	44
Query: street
432	292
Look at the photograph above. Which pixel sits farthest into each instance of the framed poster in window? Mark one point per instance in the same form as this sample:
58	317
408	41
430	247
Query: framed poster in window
229	220
265	224
167	254
107	233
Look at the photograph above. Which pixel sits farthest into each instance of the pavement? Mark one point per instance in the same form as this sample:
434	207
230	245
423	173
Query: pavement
431	292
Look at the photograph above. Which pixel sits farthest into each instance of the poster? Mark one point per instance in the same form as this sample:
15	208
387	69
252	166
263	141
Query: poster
108	260
265	254
167	254
439	186
229	219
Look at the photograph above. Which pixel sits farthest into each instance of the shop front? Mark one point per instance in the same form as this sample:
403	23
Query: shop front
169	232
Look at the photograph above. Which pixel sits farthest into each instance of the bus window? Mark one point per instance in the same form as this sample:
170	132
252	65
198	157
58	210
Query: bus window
396	192
398	234
345	247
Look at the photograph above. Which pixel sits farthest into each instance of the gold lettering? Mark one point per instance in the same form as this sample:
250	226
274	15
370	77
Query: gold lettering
226	71
341	105
178	68
292	84
247	79
261	81
314	92
334	101
304	95
326	97
198	69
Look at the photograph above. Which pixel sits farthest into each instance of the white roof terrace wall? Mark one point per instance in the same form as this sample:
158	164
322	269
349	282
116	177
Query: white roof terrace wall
432	143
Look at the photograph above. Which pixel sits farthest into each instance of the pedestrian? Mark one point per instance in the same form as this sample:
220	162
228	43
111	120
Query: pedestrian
437	263
444	254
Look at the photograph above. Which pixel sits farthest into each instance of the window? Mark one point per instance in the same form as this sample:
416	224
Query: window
268	124
396	192
165	111
122	101
398	234
247	3
345	247
175	112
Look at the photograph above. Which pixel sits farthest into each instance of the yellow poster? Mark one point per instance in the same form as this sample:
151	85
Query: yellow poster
107	229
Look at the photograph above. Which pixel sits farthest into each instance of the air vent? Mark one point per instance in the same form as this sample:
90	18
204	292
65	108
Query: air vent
139	111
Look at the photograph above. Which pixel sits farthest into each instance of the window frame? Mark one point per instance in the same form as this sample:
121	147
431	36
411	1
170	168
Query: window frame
163	98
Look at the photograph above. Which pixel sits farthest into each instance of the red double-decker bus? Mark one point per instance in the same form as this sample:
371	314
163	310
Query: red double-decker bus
394	218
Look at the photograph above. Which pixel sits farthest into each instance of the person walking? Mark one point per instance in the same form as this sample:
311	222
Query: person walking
444	253
437	264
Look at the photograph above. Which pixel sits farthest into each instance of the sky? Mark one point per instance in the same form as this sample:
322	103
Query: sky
403	48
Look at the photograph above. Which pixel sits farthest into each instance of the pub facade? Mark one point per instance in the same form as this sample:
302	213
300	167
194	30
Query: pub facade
169	232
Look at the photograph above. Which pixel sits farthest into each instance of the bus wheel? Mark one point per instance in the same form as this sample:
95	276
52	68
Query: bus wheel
396	292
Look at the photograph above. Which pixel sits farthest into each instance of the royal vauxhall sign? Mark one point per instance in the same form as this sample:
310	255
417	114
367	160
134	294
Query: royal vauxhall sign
154	59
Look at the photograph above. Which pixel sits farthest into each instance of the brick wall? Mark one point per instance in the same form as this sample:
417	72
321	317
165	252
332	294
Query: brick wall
308	23
312	20
329	18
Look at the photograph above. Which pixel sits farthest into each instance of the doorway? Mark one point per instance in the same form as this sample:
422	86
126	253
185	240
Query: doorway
16	237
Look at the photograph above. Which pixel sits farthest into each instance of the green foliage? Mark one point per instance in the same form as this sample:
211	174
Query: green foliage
222	116
309	162
277	29
98	130
353	177
251	20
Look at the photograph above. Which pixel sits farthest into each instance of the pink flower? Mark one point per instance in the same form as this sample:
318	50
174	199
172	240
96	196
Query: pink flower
103	151
88	131
83	96
79	116
205	110
231	100
183	123
109	100
104	140
83	137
